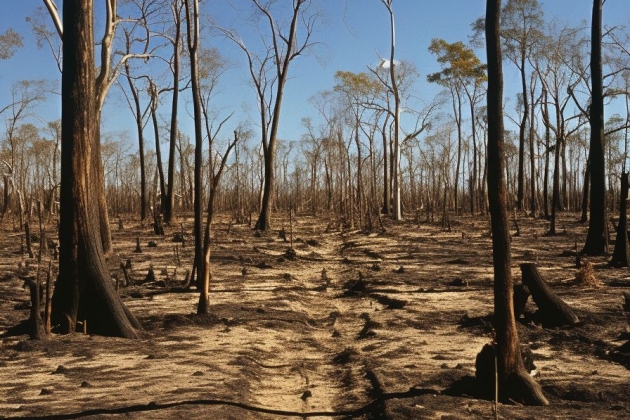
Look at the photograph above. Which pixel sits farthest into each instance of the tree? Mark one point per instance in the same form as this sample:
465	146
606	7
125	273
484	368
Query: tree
520	29
621	254
9	41
138	115
25	94
461	69
597	236
175	40
513	380
397	207
269	72
108	72
357	94
84	290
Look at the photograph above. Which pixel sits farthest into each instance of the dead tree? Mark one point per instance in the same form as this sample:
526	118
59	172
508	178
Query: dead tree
621	254
513	382
554	312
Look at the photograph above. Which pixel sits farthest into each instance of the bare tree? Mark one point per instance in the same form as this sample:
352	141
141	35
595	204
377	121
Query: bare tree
269	72
25	95
513	380
397	207
9	41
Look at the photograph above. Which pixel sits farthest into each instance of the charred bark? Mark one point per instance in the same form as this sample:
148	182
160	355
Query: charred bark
621	254
513	380
84	290
554	312
597	238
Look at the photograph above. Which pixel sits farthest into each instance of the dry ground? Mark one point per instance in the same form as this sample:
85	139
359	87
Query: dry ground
304	338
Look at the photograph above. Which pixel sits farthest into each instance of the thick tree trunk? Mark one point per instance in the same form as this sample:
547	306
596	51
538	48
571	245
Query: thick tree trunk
98	186
513	380
554	312
597	238
84	290
621	254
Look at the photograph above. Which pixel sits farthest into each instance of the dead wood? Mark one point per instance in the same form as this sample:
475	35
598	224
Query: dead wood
521	295
554	312
36	325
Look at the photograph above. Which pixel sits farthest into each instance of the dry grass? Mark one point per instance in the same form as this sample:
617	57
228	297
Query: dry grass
585	276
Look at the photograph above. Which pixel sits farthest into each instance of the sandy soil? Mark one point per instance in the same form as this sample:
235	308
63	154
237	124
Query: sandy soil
380	325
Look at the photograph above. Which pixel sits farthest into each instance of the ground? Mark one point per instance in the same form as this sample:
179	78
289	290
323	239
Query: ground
350	325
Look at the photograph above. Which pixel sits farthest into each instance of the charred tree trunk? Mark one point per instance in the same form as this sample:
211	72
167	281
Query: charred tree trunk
158	149
586	191
597	239
140	131
169	204
513	380
84	289
386	197
554	312
621	254
36	325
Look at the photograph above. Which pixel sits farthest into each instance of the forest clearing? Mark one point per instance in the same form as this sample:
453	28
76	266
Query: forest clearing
303	338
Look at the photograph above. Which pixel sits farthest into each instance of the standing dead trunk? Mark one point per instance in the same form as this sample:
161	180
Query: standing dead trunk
513	380
84	290
621	254
597	237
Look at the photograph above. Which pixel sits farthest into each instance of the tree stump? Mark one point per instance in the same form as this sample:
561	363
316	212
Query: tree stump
521	295
36	325
554	312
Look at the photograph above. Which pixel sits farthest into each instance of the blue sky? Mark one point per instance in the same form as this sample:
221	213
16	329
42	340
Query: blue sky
350	34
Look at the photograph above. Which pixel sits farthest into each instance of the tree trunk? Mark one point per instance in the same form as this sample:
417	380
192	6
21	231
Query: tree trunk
169	205
84	290
513	380
139	129
158	151
596	238
621	254
386	195
553	311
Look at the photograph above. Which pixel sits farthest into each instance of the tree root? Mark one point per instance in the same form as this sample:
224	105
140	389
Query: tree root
520	387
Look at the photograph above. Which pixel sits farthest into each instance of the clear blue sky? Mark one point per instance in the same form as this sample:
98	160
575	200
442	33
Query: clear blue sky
350	33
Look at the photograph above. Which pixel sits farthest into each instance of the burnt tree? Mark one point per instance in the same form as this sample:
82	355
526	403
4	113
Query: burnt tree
597	237
553	311
513	380
84	290
621	254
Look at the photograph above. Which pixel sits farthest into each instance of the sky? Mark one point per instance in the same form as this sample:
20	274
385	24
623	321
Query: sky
350	35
